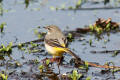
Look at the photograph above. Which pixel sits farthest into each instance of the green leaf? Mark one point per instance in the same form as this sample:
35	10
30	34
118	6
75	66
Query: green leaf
115	53
3	76
41	67
79	2
90	42
88	78
75	75
108	27
52	8
47	62
91	27
20	46
69	35
2	26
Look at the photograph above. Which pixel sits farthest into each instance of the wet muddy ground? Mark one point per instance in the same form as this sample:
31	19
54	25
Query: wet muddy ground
23	22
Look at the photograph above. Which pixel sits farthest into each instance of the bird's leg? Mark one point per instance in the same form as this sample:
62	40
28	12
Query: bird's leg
60	60
54	59
44	60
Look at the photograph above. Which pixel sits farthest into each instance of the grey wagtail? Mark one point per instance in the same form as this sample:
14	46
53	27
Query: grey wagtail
55	42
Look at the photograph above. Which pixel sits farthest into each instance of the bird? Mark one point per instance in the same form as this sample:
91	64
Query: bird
56	43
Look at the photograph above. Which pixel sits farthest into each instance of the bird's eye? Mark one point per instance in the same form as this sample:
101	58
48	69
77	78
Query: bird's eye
49	29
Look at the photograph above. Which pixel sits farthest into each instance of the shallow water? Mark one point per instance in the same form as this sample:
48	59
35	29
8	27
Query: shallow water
22	21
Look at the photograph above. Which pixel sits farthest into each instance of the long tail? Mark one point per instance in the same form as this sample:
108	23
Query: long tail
72	53
89	63
79	61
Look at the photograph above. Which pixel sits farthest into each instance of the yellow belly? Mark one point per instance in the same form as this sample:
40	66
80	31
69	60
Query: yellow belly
54	50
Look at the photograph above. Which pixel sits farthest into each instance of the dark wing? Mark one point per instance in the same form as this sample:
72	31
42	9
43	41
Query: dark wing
53	43
65	40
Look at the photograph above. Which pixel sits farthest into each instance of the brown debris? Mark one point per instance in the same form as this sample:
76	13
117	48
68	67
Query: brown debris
83	30
102	66
103	23
91	64
99	26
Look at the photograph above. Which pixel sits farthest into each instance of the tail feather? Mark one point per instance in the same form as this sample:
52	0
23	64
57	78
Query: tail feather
79	61
72	53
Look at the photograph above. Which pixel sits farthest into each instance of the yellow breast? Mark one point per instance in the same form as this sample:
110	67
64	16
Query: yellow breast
54	50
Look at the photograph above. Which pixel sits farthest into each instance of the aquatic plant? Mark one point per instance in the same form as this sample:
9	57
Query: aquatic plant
6	49
2	26
75	75
3	76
